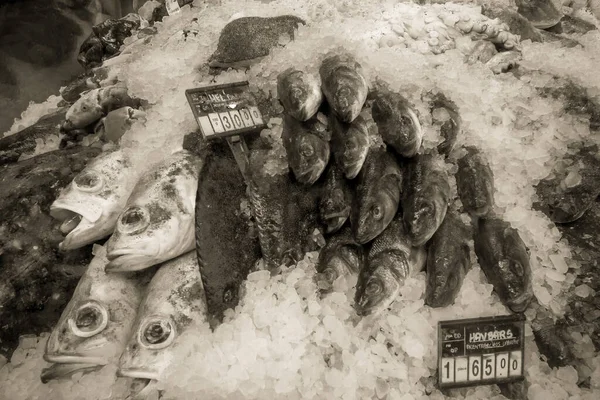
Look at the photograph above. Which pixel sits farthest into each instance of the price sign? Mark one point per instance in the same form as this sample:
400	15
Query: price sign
174	6
225	110
480	351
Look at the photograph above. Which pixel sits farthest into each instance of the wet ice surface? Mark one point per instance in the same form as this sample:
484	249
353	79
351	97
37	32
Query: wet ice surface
282	341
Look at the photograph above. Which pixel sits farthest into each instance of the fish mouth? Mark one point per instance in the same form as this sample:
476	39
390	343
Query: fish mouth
520	303
79	223
138	374
128	261
335	220
140	388
59	371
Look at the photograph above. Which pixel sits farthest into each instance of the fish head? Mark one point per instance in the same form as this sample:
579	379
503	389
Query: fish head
348	98
90	205
85	111
345	260
427	213
354	151
445	277
174	305
94	327
376	290
300	93
376	212
309	157
335	209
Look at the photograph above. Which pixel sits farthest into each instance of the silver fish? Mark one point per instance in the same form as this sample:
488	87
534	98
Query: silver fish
300	93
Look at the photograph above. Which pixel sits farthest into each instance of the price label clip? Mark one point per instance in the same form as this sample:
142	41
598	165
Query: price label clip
481	351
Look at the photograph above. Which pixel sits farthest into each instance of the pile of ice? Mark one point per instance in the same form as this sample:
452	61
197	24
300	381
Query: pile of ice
283	341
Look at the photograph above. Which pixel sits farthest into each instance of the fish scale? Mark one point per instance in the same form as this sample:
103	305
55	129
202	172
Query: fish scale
475	183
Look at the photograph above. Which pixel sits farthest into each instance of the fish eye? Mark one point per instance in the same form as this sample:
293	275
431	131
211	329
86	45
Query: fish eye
376	213
296	92
88	181
518	268
133	220
156	333
90	319
306	150
373	288
330	274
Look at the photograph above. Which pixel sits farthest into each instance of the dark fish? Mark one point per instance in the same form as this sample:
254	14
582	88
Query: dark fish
344	85
307	147
340	256
24	142
37	281
336	201
448	261
550	337
390	261
378	189
91	52
113	32
475	183
300	93
426	196
350	142
226	242
247	40
567	203
445	112
286	212
504	260
82	83
398	122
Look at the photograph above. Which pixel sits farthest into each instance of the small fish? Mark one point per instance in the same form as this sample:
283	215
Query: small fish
158	221
377	196
90	206
426	196
344	85
80	84
398	122
448	261
300	93
475	183
174	304
307	147
340	256
390	261
226	241
350	142
94	327
504	259
551	337
336	202
445	112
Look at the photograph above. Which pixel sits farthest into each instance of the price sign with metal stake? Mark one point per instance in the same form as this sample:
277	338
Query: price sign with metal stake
480	351
227	111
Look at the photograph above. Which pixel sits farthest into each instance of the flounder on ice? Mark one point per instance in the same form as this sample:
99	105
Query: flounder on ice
475	183
247	40
336	201
398	122
378	189
307	147
299	93
448	261
226	240
174	304
158	221
90	206
344	85
342	255
390	261
95	325
504	259
350	142
425	198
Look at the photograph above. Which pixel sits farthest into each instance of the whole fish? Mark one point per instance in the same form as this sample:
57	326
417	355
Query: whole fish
390	261
344	85
90	206
336	201
226	241
94	327
174	304
504	259
445	112
299	93
398	123
350	142
551	337
340	256
307	147
426	196
448	261
377	196
475	183
158	221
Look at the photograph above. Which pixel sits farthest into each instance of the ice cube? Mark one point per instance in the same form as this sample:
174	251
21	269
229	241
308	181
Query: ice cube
583	290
